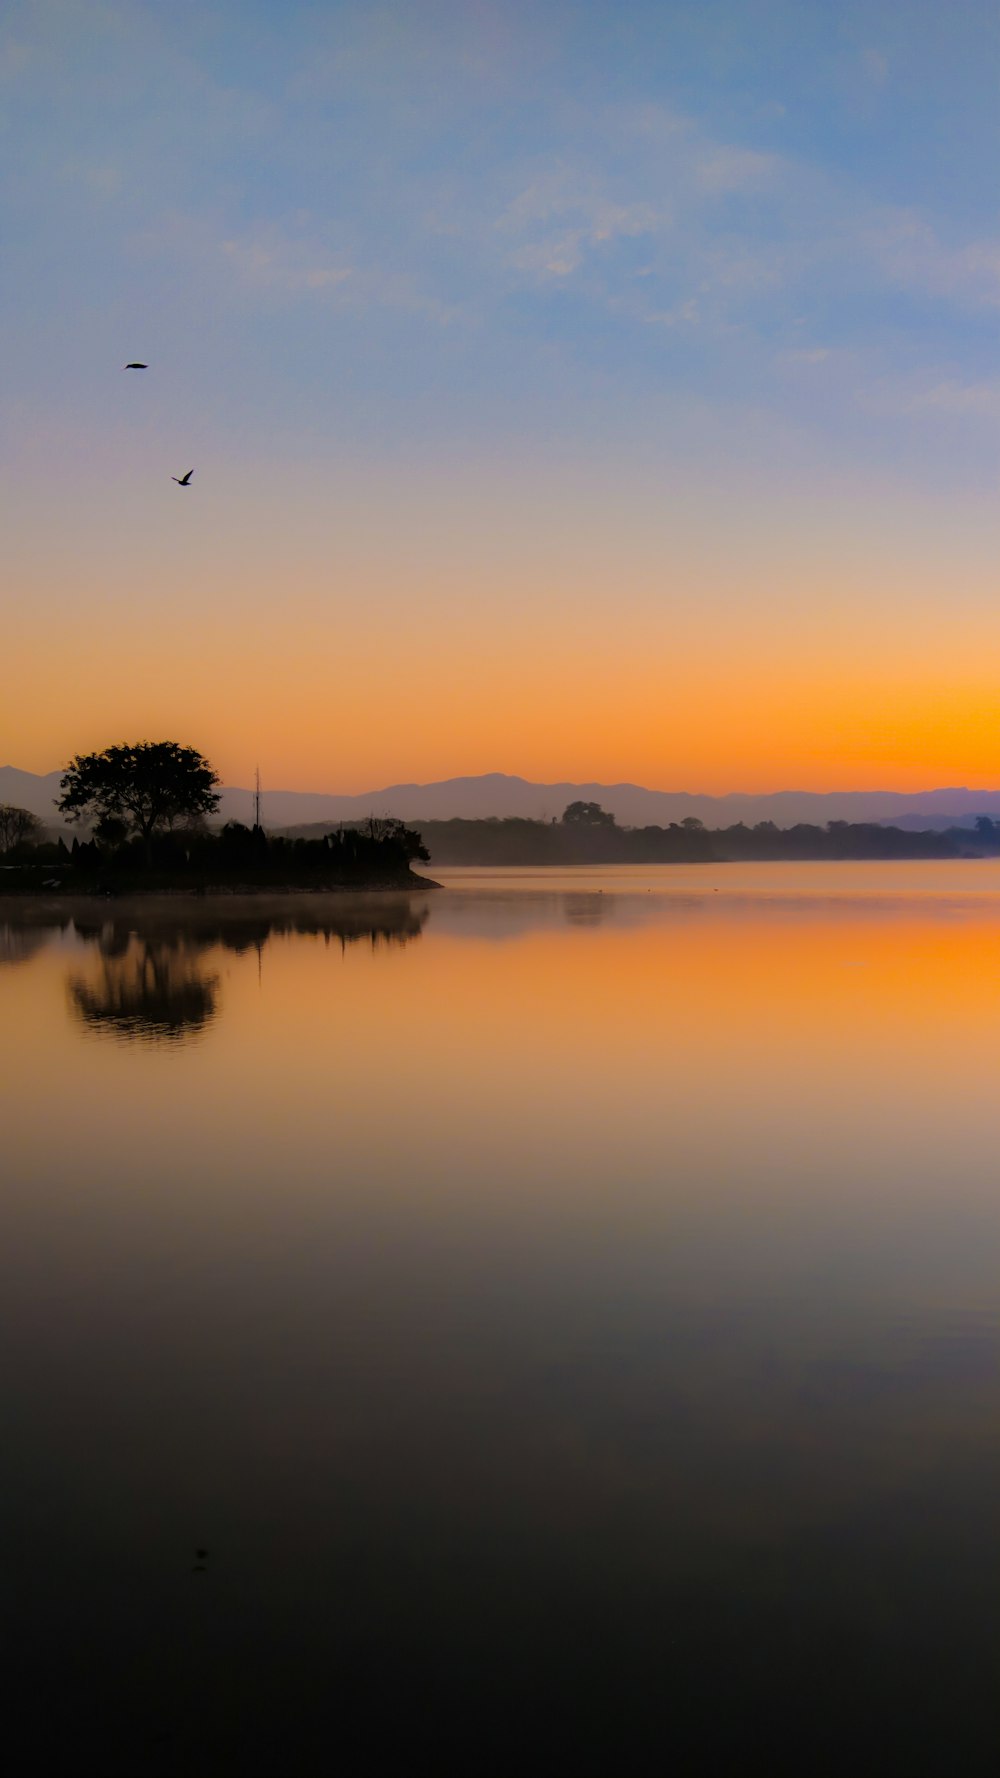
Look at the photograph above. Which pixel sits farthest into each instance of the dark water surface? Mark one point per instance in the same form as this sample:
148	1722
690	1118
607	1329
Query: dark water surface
564	1308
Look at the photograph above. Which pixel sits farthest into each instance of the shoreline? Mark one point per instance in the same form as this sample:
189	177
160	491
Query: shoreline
21	901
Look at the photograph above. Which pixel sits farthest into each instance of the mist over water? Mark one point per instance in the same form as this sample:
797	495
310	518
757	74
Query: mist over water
563	1306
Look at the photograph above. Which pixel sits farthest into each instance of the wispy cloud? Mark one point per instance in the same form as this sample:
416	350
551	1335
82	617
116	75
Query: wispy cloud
727	170
684	314
269	259
736	245
575	218
793	233
908	249
265	257
976	400
565	214
292	262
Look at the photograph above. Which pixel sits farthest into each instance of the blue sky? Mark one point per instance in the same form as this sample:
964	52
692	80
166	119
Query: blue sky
663	270
515	220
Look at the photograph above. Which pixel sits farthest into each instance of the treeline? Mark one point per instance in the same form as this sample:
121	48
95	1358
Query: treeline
381	851
838	839
522	842
193	856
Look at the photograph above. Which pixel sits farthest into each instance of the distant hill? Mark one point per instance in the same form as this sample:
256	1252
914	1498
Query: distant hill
28	790
497	794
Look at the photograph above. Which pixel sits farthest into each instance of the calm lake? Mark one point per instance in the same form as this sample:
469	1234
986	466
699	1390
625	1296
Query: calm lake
564	1307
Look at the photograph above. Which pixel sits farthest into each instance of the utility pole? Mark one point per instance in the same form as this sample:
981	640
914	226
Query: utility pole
256	799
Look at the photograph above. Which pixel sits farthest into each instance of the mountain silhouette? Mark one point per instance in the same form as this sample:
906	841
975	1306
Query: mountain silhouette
499	794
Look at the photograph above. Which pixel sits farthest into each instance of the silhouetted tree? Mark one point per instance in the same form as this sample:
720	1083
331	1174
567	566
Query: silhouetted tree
387	832
18	827
149	786
111	832
582	814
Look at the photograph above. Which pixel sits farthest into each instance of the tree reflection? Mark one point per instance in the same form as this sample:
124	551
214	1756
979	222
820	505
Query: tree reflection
152	982
589	909
18	943
148	990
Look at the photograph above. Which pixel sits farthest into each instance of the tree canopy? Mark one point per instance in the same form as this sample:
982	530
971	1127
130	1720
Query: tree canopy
587	815
149	785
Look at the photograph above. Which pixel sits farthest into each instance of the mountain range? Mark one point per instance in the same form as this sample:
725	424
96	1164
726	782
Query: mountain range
495	794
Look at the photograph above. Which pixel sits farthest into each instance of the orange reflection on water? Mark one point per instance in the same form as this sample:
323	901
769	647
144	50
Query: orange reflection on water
554	1030
582	1036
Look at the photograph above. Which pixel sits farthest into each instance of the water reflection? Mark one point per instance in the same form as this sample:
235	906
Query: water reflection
146	990
18	943
588	910
154	981
576	1342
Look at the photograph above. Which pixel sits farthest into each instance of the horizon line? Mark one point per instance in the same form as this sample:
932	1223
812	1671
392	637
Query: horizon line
577	783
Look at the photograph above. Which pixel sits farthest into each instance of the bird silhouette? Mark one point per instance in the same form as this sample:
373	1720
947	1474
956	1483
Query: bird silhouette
182	480
135	365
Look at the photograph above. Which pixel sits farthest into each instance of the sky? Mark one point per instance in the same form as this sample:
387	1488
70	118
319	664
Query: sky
587	391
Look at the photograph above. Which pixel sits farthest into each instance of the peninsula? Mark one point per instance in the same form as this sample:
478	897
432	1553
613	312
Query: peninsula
146	808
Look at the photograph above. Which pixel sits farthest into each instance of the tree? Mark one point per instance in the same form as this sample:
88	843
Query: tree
149	786
587	815
111	832
386	829
17	826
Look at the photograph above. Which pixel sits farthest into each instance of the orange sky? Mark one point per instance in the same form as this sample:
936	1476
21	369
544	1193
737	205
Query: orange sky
591	639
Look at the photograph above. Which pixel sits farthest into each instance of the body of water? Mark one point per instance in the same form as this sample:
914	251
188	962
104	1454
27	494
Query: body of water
549	1325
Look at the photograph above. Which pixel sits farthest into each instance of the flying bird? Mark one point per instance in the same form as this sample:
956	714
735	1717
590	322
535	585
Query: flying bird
135	365
182	480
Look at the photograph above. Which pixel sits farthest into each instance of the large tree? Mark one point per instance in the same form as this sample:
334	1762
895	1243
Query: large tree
150	785
587	815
